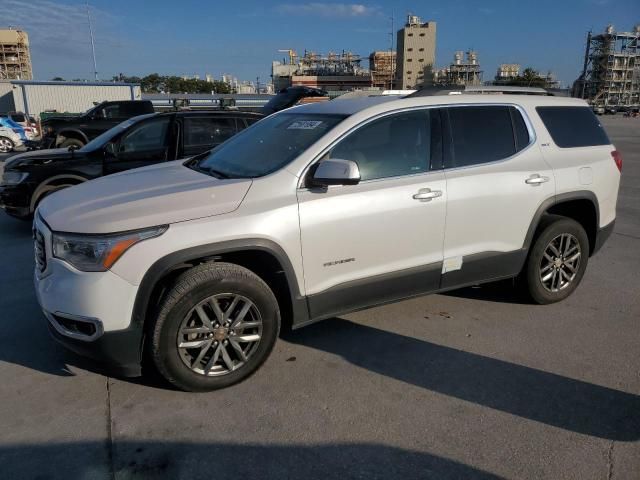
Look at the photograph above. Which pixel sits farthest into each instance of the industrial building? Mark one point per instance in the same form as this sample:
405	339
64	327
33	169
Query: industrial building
335	71
462	71
382	65
33	97
15	59
611	72
416	53
507	72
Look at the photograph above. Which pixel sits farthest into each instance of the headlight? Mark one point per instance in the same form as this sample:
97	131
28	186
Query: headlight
97	253
13	178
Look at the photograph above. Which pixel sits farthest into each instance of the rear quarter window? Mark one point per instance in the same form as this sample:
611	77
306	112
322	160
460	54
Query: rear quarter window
572	127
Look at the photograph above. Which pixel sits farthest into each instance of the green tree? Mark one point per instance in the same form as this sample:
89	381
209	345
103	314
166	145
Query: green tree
57	79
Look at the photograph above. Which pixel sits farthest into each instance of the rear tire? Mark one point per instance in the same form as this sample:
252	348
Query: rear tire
216	326
557	260
6	145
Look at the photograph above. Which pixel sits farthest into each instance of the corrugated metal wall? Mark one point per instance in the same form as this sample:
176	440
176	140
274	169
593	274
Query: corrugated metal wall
6	97
68	98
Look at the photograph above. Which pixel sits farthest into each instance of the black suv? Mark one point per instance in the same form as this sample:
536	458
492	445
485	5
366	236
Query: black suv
77	131
137	142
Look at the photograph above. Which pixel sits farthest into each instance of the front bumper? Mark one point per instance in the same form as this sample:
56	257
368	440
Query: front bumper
16	199
71	300
120	352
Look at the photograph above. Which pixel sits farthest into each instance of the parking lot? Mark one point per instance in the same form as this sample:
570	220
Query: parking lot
469	384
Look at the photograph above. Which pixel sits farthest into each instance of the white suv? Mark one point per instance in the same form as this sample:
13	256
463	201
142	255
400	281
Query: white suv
320	210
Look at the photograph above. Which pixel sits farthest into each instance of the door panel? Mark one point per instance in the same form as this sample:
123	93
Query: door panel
379	240
490	205
144	144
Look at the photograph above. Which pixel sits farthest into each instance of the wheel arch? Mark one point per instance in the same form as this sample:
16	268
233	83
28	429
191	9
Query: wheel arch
263	257
51	183
581	206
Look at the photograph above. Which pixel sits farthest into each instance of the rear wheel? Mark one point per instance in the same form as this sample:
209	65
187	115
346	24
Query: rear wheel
557	260
6	145
216	326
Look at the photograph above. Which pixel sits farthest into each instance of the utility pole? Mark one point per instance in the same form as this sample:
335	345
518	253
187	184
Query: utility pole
93	47
257	84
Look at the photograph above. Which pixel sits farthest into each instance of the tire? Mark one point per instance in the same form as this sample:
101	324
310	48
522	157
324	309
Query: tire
550	277
6	145
211	363
71	142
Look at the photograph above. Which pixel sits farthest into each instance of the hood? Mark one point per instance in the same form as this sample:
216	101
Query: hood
145	197
37	157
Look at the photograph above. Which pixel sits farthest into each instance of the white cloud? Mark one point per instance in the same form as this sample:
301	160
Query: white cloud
344	10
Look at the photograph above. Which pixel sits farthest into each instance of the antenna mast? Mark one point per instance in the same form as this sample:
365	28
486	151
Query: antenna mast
93	46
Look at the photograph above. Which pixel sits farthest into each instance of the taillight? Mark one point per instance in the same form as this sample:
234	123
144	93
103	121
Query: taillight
617	157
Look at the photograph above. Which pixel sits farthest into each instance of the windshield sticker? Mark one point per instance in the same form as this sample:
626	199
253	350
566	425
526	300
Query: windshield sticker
305	124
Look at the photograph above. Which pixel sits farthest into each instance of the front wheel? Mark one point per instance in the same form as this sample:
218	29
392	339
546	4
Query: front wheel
216	326
557	260
6	145
72	142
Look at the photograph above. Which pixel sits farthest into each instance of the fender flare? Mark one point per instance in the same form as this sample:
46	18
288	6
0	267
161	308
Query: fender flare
46	186
161	267
555	200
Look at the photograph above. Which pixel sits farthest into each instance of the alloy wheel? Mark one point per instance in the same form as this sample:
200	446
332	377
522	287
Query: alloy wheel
560	262
5	145
220	334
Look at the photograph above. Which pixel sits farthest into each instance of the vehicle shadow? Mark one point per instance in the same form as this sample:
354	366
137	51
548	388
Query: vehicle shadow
529	393
503	291
199	460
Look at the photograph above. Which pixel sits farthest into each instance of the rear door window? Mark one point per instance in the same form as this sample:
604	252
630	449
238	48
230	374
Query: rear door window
480	134
572	127
207	131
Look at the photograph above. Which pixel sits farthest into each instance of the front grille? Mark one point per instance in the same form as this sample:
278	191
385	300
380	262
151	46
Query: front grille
39	250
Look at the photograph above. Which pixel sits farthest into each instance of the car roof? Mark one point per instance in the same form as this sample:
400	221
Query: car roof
380	104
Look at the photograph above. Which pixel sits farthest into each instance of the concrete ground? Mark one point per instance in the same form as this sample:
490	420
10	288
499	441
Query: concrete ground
472	384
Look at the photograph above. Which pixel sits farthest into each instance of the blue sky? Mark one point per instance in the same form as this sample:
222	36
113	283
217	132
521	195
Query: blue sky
242	38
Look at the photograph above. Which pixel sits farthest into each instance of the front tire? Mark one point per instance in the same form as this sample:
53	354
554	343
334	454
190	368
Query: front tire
216	326
72	142
6	145
557	260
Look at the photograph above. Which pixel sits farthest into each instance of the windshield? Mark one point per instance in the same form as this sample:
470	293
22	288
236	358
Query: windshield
107	136
267	146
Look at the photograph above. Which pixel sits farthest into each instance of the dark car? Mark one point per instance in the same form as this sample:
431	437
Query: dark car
288	97
137	142
78	130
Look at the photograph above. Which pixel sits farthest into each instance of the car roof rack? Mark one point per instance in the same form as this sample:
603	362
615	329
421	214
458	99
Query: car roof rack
479	90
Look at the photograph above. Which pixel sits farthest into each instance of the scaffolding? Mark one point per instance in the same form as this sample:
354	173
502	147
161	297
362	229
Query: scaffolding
611	71
382	65
334	64
15	60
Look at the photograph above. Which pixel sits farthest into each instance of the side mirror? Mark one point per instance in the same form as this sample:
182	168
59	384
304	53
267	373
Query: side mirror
335	171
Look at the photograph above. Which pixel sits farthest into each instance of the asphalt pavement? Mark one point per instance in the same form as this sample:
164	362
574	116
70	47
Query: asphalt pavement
471	384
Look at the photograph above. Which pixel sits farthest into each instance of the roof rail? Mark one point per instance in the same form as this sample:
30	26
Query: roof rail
480	89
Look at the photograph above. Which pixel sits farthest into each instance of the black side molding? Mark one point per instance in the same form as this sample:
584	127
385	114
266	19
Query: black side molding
602	236
370	292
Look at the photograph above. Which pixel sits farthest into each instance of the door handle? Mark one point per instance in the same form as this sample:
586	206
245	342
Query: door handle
536	180
426	194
